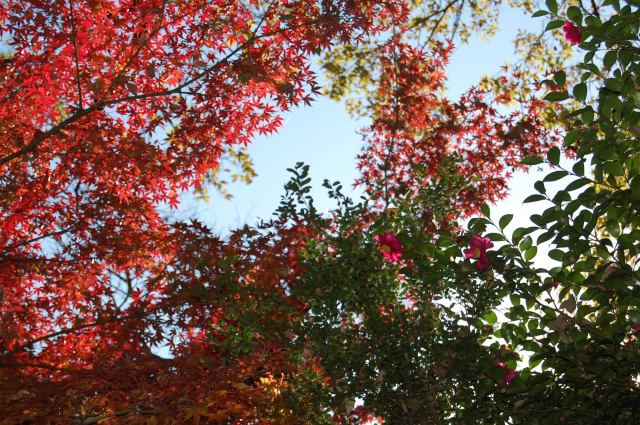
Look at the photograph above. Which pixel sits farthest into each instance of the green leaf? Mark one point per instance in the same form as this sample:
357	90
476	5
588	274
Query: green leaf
575	14
553	25
505	220
478	221
580	91
552	5
578	168
556	254
517	234
587	115
532	160
490	317
495	237
533	363
635	187
560	77
484	209
613	168
539	13
533	198
593	21
530	303
613	84
613	227
571	137
526	243
577	184
555	175
556	96
609	59
545	237
530	253
554	155
561	196
602	252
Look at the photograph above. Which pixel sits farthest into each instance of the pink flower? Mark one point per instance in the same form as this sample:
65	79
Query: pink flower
389	246
509	375
572	33
478	249
635	327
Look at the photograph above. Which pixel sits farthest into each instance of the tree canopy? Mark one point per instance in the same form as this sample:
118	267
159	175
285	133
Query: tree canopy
391	308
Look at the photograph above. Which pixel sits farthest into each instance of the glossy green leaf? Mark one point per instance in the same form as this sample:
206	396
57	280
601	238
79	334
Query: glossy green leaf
505	220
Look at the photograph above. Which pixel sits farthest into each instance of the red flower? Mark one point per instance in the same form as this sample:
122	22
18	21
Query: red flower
572	33
478	249
509	375
389	246
635	327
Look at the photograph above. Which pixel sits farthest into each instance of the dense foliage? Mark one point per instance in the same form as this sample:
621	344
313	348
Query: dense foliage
421	335
384	309
579	318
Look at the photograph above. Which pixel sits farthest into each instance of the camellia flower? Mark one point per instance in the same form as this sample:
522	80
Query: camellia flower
389	246
478	249
572	33
635	327
509	375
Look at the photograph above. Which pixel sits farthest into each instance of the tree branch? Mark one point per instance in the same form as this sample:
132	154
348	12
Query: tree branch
74	37
39	138
36	239
42	366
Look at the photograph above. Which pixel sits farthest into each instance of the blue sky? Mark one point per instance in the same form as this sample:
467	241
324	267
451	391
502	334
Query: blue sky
325	137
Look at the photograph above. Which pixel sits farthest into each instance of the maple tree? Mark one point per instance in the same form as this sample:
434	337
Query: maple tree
398	81
111	110
414	129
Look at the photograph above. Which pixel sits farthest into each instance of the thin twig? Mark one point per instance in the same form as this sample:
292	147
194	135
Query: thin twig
74	36
424	19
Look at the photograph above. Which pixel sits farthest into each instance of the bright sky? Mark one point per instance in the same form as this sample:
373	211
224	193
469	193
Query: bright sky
326	138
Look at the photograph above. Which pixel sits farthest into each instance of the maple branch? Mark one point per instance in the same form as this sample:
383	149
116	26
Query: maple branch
254	36
42	260
129	284
36	239
74	36
142	45
91	420
56	334
392	144
457	21
137	315
424	19
42	366
435	27
40	137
